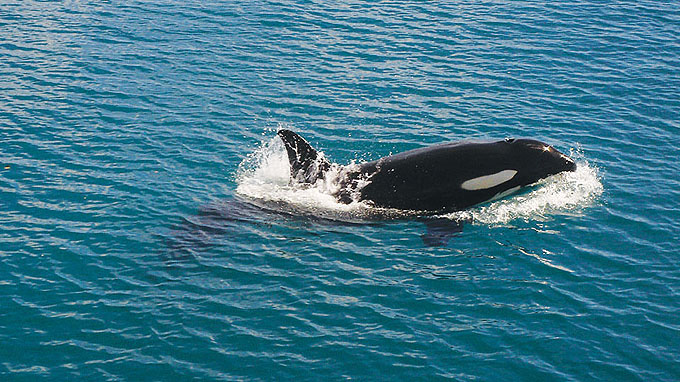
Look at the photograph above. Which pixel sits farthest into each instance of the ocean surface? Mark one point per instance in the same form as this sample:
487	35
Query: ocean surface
148	231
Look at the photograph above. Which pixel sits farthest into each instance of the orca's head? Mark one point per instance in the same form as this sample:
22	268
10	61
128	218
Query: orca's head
537	160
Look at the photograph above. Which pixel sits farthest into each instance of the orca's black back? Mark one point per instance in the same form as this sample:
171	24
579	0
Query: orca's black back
430	178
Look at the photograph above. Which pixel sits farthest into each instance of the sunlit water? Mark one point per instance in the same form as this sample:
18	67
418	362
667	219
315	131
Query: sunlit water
148	230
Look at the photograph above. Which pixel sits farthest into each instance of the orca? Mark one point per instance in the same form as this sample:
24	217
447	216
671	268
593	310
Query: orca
432	180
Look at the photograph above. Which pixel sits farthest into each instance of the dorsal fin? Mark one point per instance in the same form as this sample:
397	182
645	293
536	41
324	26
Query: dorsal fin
306	165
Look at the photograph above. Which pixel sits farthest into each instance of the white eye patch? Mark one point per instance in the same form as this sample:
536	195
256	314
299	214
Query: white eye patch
488	181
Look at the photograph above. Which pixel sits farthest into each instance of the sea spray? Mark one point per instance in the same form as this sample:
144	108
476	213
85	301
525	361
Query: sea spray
564	193
264	178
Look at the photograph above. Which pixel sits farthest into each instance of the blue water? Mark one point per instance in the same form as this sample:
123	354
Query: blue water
136	137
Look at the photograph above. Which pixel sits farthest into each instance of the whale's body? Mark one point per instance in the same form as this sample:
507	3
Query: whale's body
440	178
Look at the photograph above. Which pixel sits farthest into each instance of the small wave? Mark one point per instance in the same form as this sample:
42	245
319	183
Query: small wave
264	179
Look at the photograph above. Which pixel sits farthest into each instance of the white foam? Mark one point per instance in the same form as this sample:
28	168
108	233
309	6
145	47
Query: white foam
264	178
565	193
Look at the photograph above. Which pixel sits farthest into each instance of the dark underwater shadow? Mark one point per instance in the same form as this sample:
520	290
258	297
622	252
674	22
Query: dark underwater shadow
221	221
196	233
441	230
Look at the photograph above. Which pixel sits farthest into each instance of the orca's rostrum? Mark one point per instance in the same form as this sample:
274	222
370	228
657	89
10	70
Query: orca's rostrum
442	178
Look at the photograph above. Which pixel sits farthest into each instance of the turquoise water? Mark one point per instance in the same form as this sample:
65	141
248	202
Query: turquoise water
136	139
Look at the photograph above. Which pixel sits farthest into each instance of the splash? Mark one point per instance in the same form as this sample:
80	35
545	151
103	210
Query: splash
264	179
567	193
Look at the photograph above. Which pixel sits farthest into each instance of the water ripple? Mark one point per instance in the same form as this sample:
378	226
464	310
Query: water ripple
123	244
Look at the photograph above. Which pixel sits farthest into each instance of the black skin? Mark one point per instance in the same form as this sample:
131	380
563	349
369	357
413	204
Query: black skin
429	179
